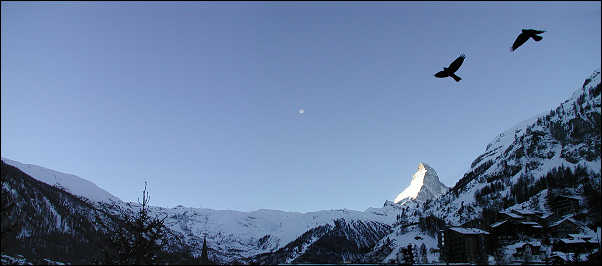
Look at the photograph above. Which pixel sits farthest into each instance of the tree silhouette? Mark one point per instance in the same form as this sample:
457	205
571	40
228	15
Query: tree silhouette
408	255
423	254
8	223
133	238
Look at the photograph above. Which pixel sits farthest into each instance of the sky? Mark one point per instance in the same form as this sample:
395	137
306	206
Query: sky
202	99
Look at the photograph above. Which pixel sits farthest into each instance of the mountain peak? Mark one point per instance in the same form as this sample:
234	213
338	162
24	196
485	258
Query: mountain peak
424	166
425	185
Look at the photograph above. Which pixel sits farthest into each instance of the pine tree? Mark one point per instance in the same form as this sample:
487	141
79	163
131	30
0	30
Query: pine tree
8	223
204	256
423	253
134	239
408	255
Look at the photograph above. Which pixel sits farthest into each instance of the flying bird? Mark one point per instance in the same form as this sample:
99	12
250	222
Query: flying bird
524	37
451	69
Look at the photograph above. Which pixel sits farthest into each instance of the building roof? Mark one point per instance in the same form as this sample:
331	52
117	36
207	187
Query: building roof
498	223
572	241
513	215
529	223
522	244
560	255
524	212
570	197
469	231
582	236
563	219
545	215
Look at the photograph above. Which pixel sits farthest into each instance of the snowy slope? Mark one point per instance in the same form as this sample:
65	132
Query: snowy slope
71	183
49	222
232	234
346	241
568	136
235	234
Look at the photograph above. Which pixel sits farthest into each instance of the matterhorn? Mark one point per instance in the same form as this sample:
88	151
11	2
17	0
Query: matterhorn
425	185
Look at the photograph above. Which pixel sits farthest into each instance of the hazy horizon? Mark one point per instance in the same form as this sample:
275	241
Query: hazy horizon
203	100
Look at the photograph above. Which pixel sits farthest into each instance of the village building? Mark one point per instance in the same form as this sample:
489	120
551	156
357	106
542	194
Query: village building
527	251
563	227
563	204
503	231
509	215
460	244
560	258
530	215
474	223
576	243
511	229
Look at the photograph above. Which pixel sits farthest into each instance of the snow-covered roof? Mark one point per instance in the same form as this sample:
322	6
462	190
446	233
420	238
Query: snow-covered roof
568	256
562	255
524	212
570	197
564	218
469	231
498	223
582	236
529	223
572	241
516	216
521	244
545	215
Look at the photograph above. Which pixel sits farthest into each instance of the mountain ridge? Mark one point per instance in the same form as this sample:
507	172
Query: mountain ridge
72	183
568	136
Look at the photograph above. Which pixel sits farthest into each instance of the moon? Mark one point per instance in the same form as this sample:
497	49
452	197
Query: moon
301	111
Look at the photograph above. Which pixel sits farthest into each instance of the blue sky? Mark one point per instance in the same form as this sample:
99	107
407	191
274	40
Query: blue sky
201	99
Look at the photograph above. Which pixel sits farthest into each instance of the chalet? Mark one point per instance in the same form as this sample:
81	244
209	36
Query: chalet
459	244
575	243
560	258
510	229
474	223
531	228
530	215
563	204
528	249
509	215
503	231
563	227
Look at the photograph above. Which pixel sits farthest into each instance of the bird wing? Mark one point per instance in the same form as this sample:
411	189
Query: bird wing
522	38
455	65
532	31
441	74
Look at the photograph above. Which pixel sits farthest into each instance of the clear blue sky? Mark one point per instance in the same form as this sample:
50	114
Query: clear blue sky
202	99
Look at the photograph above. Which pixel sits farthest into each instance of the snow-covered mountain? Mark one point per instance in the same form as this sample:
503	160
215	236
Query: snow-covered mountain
48	222
71	183
567	136
507	175
425	185
236	235
231	235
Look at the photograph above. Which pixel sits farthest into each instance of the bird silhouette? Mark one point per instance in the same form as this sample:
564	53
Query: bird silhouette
524	37
451	69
